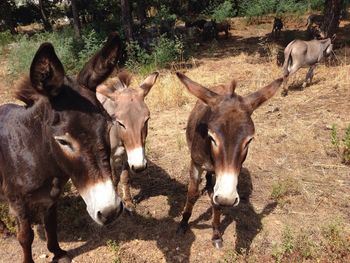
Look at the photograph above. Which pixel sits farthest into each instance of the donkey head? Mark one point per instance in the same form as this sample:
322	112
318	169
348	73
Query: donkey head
131	114
228	133
76	125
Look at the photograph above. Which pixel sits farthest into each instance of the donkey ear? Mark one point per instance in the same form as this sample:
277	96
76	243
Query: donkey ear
101	65
231	87
207	96
46	71
255	99
148	83
106	90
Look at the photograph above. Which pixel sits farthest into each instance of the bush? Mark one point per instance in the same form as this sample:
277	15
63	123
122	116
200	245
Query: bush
6	38
222	11
163	52
262	7
72	53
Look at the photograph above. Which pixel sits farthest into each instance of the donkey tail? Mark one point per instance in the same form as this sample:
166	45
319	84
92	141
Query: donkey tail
288	60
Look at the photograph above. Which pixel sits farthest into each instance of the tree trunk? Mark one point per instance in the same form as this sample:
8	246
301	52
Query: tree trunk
141	11
126	19
46	22
331	13
76	21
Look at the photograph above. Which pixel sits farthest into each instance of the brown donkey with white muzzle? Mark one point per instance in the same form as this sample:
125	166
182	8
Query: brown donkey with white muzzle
128	135
218	133
61	133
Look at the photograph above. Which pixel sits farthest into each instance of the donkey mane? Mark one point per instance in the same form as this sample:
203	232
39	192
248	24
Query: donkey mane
25	92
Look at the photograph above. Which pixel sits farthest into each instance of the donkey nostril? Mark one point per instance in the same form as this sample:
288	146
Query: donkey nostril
216	199
236	202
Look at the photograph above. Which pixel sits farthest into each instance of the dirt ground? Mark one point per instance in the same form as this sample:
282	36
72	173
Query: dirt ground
294	188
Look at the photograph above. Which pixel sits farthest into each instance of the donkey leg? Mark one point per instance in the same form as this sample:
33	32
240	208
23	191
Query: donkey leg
4	231
125	183
308	76
285	86
25	236
192	196
216	239
50	222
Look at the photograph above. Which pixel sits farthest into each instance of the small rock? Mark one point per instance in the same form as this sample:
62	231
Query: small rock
43	256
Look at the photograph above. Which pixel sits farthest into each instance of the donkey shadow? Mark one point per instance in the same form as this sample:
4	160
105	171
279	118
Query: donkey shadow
140	225
248	221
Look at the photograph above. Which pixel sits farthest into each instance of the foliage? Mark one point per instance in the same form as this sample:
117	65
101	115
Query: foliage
163	52
164	14
261	7
222	11
6	38
72	53
342	145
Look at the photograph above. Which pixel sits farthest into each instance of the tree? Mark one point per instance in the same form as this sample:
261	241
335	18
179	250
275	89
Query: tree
126	19
46	21
7	17
332	11
76	21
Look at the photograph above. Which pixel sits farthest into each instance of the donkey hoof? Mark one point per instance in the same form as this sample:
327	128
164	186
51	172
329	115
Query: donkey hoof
64	259
129	207
217	243
182	228
284	93
304	85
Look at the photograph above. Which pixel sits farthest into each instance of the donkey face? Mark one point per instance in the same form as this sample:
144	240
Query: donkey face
76	125
131	116
229	130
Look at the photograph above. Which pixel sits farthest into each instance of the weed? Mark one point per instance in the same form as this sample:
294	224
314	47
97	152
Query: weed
342	146
335	242
114	247
285	188
5	217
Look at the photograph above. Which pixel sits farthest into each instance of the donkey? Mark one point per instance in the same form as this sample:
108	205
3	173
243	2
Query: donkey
299	54
128	135
61	133
314	19
219	131
277	27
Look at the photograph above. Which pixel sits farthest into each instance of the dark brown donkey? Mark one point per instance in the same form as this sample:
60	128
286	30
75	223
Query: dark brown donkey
218	133
128	135
61	133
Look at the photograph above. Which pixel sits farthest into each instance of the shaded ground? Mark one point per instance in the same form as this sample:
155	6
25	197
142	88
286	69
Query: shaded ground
293	178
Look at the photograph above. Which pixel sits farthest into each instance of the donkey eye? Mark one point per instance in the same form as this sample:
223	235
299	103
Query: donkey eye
64	142
212	140
248	142
121	124
146	121
68	145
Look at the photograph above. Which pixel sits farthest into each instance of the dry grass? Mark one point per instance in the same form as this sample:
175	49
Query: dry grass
290	159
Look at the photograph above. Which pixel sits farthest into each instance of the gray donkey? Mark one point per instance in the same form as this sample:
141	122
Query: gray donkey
301	54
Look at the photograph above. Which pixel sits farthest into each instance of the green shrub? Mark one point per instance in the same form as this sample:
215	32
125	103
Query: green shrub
163	52
342	146
166	51
222	11
6	38
255	8
72	53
